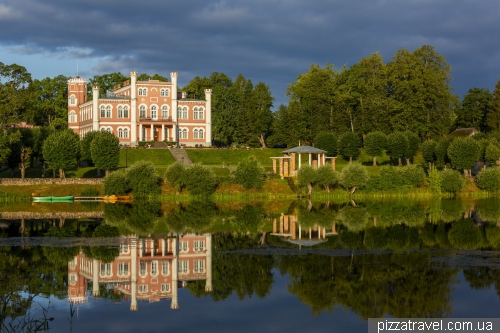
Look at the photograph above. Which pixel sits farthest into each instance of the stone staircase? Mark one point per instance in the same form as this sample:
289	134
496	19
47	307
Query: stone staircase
181	156
159	145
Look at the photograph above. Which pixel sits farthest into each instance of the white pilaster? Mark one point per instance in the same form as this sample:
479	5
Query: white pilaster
95	108
162	132
208	283
133	303
140	133
208	116
152	133
175	277
95	278
133	108
173	78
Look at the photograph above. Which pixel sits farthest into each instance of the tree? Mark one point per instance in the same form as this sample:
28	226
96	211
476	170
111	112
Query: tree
353	176
492	153
474	108
428	149
413	144
451	181
61	149
375	143
307	177
105	151
464	153
441	151
493	116
174	175
85	153
49	101
327	178
326	141
489	179
420	92
106	82
289	126
116	183
199	180
397	145
349	145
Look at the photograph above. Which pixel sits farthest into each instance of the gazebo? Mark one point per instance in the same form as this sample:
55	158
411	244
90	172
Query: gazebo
288	165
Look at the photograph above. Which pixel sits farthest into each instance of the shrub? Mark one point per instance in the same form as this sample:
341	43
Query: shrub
413	175
199	180
249	174
434	181
428	149
441	151
105	151
489	179
143	179
353	176
397	145
116	183
326	141
492	154
451	181
174	175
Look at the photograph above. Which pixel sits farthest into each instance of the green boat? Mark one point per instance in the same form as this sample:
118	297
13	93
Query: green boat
68	198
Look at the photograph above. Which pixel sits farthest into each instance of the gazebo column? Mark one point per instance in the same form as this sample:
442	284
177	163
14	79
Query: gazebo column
300	161
300	231
274	226
285	164
310	233
281	168
292	163
274	165
333	163
324	159
310	159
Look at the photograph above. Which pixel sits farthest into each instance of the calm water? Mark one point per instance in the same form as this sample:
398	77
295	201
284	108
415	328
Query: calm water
268	267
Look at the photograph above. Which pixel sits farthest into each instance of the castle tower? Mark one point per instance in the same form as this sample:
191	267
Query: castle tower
77	94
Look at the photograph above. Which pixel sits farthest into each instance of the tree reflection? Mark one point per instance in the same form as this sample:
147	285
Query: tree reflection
196	216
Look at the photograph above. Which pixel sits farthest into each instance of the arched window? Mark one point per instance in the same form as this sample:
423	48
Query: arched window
120	132
103	111
195	134
165	92
125	111
195	113
201	114
185	113
72	100
120	111
125	132
184	133
142	111
108	111
201	134
164	111
143	92
154	112
72	117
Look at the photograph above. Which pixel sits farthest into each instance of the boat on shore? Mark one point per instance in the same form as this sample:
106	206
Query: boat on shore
116	198
68	198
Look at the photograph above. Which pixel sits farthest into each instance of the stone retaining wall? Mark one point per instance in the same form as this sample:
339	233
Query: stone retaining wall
55	215
44	181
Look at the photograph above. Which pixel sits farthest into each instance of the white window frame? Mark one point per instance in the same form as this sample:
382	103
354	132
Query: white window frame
123	269
199	245
183	133
154	267
165	288
72	100
106	269
165	268
199	266
72	117
165	111
143	288
125	111
183	246
154	112
143	111
143	268
183	267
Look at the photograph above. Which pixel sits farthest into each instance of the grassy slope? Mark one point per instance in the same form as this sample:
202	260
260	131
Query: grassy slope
232	156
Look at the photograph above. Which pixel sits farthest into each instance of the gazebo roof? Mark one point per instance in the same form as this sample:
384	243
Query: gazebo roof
304	150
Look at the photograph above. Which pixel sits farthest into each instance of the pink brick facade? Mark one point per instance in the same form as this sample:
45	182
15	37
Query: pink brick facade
141	111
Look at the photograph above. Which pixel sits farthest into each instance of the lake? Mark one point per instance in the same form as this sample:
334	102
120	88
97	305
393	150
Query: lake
246	267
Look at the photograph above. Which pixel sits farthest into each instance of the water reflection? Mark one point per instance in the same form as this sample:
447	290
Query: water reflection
146	269
372	259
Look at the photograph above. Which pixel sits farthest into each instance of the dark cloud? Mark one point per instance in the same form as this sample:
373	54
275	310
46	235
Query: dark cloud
266	40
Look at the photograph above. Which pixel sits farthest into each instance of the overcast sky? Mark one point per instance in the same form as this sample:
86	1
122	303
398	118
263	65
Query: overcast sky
269	41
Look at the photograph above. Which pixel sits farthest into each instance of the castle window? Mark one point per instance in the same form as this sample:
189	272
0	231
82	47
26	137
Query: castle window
72	100
123	132
123	269
165	268
143	92
199	245
143	288
154	112
198	134
125	111
164	111
165	288
142	270
72	117
103	111
183	246
185	113
183	267
120	111
165	92
142	111
108	111
195	113
184	133
201	113
199	266
154	267
106	269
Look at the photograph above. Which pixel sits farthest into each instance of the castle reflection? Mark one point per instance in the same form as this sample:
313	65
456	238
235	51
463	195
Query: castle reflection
147	269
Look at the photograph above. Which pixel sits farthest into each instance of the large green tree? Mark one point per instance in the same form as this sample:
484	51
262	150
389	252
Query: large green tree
493	116
375	143
49	101
464	153
105	151
61	149
474	108
421	98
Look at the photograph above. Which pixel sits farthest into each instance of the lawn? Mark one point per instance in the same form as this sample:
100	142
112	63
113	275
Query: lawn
233	156
159	157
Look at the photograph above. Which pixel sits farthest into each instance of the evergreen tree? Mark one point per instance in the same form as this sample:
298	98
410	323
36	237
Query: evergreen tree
474	108
493	117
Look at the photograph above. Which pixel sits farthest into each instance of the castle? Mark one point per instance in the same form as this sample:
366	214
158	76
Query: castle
141	111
